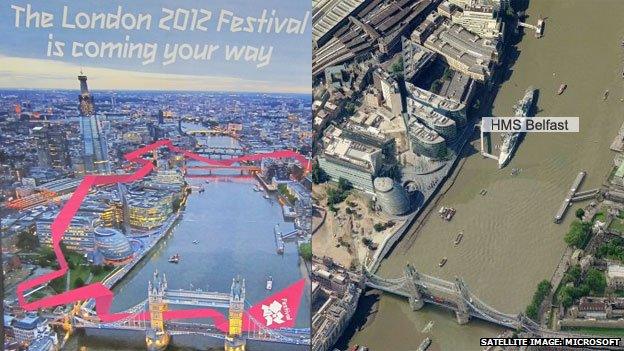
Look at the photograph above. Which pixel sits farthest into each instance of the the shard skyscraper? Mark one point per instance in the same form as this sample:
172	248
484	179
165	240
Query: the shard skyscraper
94	148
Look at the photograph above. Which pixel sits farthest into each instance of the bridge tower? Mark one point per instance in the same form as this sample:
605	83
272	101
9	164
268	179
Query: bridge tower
415	300
234	340
156	337
462	313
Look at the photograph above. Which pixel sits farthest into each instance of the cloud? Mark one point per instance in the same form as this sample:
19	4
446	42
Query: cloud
29	73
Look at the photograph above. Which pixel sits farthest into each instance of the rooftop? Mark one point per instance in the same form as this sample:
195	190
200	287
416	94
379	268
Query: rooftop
424	134
428	114
615	270
434	100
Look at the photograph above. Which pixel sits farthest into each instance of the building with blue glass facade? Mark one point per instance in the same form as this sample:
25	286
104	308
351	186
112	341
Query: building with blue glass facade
114	247
94	147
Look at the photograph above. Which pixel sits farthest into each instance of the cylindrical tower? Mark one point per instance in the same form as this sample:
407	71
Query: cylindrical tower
391	197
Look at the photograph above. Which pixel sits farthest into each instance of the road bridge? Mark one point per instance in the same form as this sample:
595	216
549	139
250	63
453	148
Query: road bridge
207	131
420	288
219	150
210	169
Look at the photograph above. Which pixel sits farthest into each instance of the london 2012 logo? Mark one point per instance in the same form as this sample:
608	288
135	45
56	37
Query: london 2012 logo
276	312
279	310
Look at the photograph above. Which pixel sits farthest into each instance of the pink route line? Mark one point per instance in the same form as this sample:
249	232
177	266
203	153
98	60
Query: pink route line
103	296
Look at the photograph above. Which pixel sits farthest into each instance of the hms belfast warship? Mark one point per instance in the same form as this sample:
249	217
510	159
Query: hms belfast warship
510	139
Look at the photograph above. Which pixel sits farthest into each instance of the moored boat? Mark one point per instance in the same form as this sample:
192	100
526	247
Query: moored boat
424	345
269	283
510	139
458	238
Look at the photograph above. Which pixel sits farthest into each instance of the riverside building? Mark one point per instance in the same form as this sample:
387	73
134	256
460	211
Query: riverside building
77	237
441	104
464	51
416	58
483	20
391	197
149	209
426	142
443	125
114	247
352	160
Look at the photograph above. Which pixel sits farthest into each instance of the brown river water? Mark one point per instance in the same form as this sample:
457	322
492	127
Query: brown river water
510	242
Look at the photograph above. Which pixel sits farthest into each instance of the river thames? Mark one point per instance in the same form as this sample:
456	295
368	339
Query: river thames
234	227
510	242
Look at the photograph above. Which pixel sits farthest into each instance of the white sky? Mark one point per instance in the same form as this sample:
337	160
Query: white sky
27	73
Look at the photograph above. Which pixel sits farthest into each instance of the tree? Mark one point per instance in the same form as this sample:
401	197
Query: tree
318	174
344	185
79	282
531	311
566	296
176	204
339	194
596	281
350	108
27	241
436	86
613	249
305	251
578	235
379	227
335	196
573	274
448	73
397	68
579	213
283	190
46	257
543	288
97	269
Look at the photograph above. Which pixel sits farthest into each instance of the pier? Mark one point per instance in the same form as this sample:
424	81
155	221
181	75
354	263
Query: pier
574	196
483	152
538	28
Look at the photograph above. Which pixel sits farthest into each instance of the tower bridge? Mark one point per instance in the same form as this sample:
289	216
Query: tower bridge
148	316
420	288
219	150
